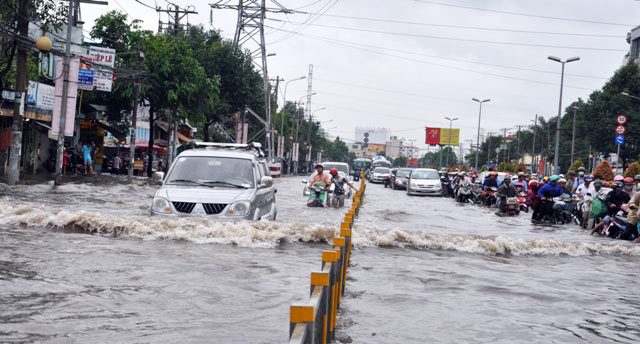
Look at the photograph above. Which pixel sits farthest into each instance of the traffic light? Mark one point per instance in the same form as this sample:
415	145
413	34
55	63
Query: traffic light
366	140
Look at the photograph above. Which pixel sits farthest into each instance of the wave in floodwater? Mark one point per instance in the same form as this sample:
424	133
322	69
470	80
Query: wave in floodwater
270	234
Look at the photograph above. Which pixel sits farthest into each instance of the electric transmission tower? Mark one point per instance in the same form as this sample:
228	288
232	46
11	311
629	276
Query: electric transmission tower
250	35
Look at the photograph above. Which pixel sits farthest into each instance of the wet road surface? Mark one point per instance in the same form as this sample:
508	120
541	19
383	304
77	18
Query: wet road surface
424	270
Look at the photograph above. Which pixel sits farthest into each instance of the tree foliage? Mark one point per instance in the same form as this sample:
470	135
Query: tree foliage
576	165
521	168
604	170
633	170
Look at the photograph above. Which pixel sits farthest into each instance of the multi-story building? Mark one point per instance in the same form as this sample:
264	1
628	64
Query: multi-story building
633	38
393	147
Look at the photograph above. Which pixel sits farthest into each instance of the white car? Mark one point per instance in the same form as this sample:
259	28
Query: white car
424	181
380	174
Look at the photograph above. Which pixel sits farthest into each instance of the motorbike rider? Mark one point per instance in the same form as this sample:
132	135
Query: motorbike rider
338	182
489	182
580	179
320	176
546	194
636	180
445	180
571	180
628	187
533	201
564	186
522	181
504	191
616	198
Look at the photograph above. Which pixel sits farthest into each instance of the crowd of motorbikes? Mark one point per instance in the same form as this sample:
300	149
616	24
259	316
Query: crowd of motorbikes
590	212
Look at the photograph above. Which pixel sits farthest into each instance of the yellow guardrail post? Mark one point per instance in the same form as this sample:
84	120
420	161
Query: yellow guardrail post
320	283
301	321
330	264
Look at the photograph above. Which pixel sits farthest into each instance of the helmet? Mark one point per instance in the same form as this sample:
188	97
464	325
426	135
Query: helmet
588	178
461	174
637	177
606	185
520	174
628	180
518	185
617	185
562	180
553	178
618	178
571	173
507	178
333	171
546	178
319	166
597	183
581	168
533	183
508	175
561	176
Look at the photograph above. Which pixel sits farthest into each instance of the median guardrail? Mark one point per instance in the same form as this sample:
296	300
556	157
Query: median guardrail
314	321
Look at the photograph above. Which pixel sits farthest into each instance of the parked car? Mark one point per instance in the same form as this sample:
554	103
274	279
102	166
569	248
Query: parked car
424	181
400	178
216	180
380	174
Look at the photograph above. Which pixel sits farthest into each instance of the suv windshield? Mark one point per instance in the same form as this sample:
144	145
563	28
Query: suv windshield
212	171
425	175
342	168
381	170
403	173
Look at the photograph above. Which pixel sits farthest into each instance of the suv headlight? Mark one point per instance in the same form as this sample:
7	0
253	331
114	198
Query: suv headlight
240	208
161	205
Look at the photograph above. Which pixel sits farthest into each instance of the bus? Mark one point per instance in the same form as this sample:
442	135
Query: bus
381	163
360	164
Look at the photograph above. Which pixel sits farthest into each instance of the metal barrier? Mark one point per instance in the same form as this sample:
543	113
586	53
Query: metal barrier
315	321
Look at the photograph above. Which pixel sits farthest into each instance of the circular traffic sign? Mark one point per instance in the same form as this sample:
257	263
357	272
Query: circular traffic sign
620	130
621	119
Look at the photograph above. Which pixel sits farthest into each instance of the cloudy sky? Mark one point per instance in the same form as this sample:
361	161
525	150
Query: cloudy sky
406	64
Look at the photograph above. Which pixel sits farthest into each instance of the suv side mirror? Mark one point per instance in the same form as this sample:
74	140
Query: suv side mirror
158	176
266	182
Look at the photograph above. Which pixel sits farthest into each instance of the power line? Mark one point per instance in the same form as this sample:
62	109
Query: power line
404	34
523	14
145	5
436	64
464	27
309	20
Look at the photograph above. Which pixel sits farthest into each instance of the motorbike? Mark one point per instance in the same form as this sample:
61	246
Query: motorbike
490	196
476	193
317	196
511	206
464	194
387	182
619	227
446	187
562	208
522	201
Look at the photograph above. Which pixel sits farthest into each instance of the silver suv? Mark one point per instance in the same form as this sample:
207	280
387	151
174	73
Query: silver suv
217	180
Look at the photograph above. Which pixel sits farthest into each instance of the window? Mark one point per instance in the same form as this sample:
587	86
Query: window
425	175
212	169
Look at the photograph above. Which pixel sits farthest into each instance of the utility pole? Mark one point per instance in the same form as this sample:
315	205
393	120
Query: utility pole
134	119
274	111
533	146
250	31
175	15
573	133
518	145
308	110
65	94
18	106
488	147
504	139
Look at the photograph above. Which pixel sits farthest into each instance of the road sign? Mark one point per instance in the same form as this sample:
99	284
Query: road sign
85	79
621	119
619	139
620	130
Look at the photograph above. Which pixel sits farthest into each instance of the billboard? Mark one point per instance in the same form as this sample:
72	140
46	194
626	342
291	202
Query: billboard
443	136
41	95
375	135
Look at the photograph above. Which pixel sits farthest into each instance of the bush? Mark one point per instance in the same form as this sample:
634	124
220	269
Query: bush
604	170
633	170
464	168
521	168
576	165
510	167
484	168
502	167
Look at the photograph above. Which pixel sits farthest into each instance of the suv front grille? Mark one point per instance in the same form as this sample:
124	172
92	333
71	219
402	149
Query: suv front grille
184	207
213	208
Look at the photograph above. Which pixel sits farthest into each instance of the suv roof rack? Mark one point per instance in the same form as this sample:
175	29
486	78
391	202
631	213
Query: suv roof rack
254	146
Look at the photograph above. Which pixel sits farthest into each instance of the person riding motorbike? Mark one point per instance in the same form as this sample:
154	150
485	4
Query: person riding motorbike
338	189
446	182
533	200
489	182
504	191
628	187
563	186
320	177
616	198
521	180
546	194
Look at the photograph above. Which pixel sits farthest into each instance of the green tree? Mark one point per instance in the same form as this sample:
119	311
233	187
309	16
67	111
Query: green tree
400	161
576	165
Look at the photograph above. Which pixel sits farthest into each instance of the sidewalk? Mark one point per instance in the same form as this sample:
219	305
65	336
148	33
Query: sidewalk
102	179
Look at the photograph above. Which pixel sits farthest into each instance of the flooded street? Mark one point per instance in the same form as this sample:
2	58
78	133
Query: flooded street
85	263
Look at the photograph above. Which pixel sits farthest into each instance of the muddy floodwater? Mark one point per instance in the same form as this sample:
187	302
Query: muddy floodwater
85	263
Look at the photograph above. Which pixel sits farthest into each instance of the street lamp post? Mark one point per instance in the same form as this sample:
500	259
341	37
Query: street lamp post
478	138
449	139
557	152
533	146
284	102
573	133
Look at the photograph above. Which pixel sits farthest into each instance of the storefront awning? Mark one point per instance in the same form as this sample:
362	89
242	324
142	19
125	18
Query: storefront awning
115	132
165	126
